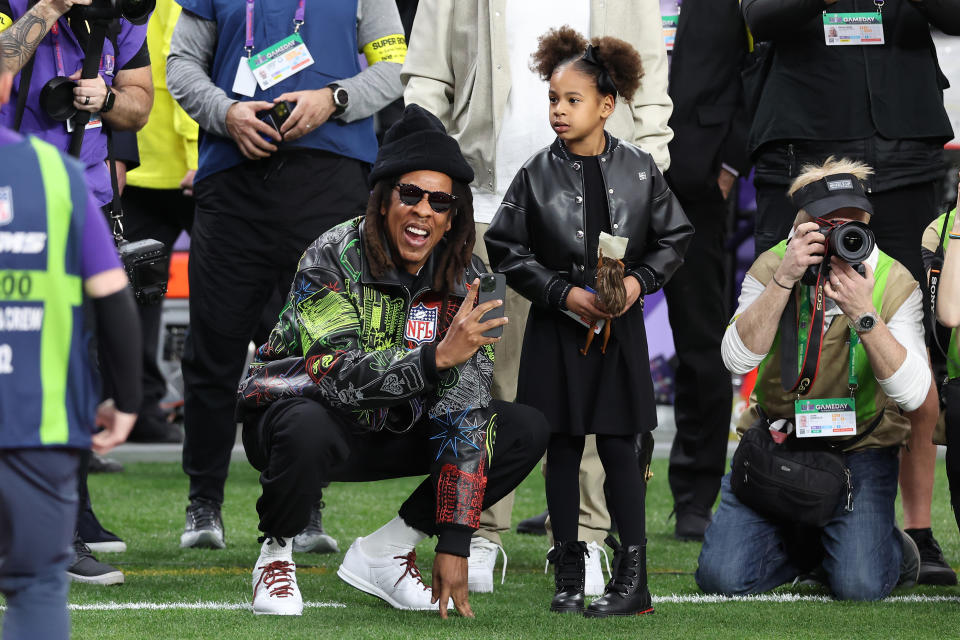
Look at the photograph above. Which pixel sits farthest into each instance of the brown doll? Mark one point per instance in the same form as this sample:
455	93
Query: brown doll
611	293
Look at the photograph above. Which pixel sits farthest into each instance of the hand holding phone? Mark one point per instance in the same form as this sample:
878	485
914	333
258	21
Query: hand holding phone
493	286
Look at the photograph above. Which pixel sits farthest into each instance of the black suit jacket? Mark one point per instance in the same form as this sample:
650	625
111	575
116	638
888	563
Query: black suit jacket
710	123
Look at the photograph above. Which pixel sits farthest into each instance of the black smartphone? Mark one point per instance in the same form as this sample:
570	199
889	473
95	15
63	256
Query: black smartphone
277	115
493	286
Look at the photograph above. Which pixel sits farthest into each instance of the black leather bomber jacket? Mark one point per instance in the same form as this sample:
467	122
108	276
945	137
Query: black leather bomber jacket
537	236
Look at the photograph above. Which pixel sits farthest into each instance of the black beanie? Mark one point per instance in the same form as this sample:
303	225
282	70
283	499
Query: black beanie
417	142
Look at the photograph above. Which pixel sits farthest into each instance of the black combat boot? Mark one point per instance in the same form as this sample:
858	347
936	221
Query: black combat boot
569	574
626	593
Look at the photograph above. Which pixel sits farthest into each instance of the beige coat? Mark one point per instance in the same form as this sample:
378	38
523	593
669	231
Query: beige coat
461	73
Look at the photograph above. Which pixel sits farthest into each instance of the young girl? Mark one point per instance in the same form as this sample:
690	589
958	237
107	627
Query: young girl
544	238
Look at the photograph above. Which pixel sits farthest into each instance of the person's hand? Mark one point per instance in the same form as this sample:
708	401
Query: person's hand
186	185
314	107
465	334
90	93
248	131
116	427
852	292
450	581
62	6
804	249
633	287
584	304
726	181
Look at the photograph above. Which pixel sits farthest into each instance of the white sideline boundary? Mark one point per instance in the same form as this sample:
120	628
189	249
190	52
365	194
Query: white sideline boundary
783	598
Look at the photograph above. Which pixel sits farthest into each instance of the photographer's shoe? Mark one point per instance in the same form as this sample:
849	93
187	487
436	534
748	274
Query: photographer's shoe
910	562
569	575
394	579
275	590
313	539
626	593
691	523
480	565
204	526
933	567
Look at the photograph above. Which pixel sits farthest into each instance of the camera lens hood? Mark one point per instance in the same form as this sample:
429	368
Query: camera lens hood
56	98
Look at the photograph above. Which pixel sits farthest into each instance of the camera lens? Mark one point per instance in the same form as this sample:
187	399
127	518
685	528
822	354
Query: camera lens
136	11
56	98
488	283
853	242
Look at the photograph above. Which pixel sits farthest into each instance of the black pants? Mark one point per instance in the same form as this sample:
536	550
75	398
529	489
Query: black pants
299	444
699	311
158	214
252	224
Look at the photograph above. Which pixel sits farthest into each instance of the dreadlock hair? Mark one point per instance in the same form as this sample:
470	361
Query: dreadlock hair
620	61
456	249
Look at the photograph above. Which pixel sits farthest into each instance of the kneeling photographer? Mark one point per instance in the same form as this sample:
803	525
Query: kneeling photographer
835	326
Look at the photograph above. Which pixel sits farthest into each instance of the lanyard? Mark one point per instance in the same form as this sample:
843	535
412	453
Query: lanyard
57	53
297	23
804	331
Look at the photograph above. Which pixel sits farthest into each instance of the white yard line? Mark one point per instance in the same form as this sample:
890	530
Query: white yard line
671	599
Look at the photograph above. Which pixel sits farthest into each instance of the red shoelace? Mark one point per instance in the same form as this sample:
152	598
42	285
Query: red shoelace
410	562
277	573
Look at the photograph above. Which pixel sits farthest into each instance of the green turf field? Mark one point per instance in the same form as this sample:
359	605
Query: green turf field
145	505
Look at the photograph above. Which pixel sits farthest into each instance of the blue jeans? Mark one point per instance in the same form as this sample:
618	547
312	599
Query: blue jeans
745	553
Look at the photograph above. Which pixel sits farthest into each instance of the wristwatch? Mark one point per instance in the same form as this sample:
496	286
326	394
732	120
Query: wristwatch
340	98
108	101
866	322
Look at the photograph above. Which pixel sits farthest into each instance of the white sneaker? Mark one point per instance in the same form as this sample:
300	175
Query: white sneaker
595	582
482	561
275	590
394	579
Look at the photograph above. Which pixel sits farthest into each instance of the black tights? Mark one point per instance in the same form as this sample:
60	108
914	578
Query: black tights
626	490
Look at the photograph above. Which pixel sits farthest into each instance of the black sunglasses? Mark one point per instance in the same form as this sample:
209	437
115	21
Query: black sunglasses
411	194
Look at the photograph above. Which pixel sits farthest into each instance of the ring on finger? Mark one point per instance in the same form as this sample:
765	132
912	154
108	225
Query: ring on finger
86	100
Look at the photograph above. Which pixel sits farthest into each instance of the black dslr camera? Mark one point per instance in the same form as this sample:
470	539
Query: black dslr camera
145	262
133	11
850	241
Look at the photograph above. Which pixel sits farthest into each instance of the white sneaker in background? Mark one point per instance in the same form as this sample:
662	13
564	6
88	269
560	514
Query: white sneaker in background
482	562
392	578
595	582
275	590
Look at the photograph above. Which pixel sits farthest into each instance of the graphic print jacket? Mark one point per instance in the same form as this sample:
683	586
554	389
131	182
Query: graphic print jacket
365	348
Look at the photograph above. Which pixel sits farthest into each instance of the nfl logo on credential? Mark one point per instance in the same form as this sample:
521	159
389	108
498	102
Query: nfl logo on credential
421	324
6	205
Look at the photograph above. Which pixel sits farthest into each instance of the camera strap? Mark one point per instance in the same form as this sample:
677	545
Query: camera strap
116	206
936	268
804	349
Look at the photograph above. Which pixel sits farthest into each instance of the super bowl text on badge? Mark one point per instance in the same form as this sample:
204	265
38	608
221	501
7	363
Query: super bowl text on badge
421	324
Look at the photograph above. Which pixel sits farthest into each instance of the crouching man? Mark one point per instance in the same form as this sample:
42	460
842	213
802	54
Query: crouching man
872	360
378	368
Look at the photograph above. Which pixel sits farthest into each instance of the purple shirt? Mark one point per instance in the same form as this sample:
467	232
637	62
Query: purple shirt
37	123
98	253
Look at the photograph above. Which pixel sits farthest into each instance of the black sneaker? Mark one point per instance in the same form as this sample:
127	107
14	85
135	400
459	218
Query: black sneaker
95	536
933	567
99	464
204	528
313	539
691	523
89	570
535	526
910	563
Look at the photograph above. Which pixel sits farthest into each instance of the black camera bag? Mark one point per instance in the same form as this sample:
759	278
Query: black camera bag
796	482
